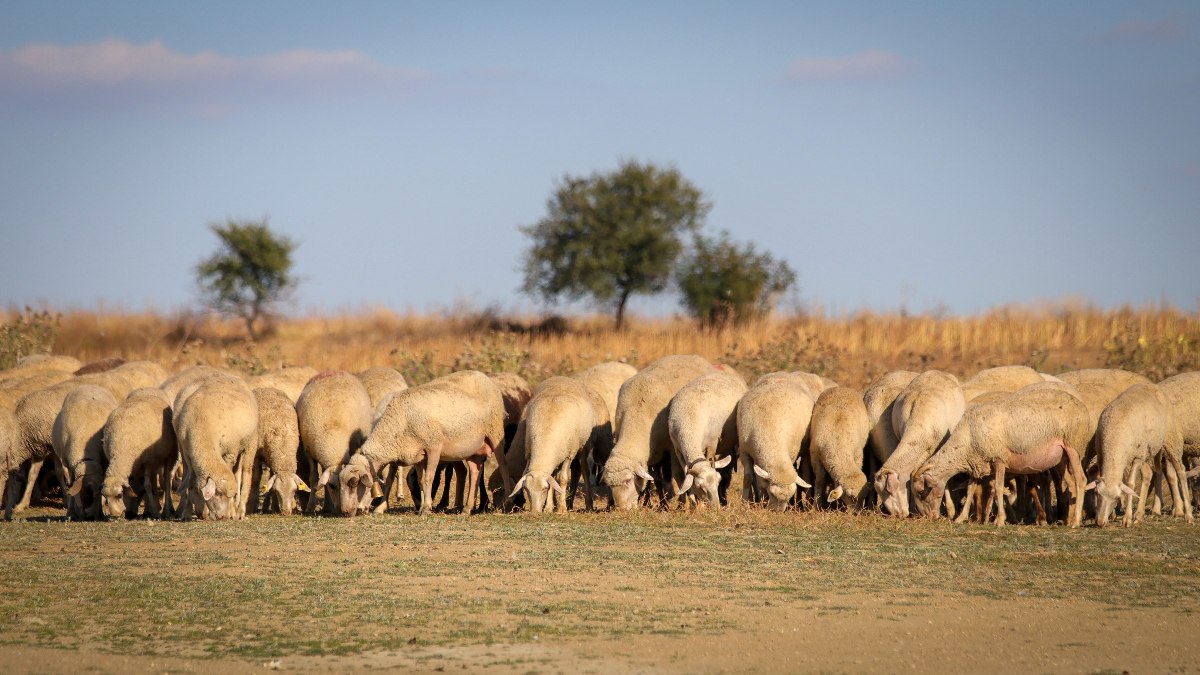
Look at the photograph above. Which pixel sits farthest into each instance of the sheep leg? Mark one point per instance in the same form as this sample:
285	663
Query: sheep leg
1143	494
1180	487
6	484
948	500
1156	487
391	469
1075	469
818	483
965	514
152	508
588	496
314	475
473	468
252	499
35	467
168	507
431	467
560	498
998	485
747	478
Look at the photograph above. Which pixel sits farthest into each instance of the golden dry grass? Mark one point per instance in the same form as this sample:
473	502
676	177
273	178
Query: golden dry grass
855	349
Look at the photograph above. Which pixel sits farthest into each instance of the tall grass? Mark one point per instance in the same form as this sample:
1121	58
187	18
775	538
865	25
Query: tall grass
1157	341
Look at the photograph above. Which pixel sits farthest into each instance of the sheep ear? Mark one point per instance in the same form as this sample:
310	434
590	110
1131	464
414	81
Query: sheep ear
517	487
1128	490
687	484
801	483
301	485
128	491
323	480
270	484
892	482
1090	486
761	472
835	494
723	462
644	475
553	485
76	487
209	489
1193	473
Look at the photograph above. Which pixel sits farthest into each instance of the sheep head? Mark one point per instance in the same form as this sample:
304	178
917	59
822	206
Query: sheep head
626	485
893	492
354	482
117	498
927	493
284	487
779	489
219	497
1107	494
537	486
703	479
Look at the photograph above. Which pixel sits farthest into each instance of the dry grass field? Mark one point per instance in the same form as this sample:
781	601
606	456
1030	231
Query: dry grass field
711	591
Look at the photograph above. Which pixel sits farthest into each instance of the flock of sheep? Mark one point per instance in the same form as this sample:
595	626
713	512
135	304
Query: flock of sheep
209	443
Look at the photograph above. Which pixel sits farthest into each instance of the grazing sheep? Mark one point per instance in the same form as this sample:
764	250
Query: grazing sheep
1097	387
381	382
606	379
1183	391
177	382
38	364
79	446
563	421
334	416
13	389
1036	429
459	417
216	430
139	444
702	422
127	377
1003	378
879	397
640	429
1135	431
815	383
9	462
923	415
772	426
290	380
277	445
516	393
837	437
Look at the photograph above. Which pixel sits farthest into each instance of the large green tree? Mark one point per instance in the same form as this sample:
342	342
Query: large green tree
722	282
611	235
249	273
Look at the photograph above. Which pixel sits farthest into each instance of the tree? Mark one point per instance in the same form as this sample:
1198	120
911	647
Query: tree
722	282
249	274
611	235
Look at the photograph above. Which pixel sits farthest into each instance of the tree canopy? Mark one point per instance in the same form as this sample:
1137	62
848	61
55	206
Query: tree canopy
249	273
722	282
611	235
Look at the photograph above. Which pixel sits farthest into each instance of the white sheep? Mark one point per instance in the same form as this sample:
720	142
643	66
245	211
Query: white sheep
79	447
879	398
334	415
459	417
381	382
278	444
922	416
772	426
289	379
216	430
1038	428
1002	379
562	422
139	444
9	462
837	437
177	382
1135	431
640	435
702	422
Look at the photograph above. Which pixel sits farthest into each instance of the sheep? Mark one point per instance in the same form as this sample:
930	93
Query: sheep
139	442
459	417
38	364
923	415
1183	391
179	381
12	390
1097	387
277	444
606	380
381	382
640	434
516	393
79	447
101	366
216	430
562	422
772	425
1002	378
837	437
1137	429
813	382
702	423
334	417
290	380
1032	430
9	462
879	398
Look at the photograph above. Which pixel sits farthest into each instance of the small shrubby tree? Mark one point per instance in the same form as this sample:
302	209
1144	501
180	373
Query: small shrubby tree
611	235
249	274
722	282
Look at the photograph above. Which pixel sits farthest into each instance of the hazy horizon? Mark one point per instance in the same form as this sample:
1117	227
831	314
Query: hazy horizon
938	157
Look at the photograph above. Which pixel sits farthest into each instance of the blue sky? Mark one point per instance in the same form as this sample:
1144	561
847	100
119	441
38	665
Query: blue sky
955	155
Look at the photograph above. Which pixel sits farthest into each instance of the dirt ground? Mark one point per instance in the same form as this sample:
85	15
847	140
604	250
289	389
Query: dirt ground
729	591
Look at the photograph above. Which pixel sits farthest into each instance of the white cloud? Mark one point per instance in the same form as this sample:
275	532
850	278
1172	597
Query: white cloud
874	64
116	62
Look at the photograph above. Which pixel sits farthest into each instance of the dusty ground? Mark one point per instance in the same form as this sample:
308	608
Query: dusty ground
663	592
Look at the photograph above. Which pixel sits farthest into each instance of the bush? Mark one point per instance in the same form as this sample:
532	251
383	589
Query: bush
29	333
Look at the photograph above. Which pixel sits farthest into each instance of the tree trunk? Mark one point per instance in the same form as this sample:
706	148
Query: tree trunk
621	309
